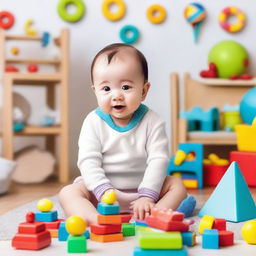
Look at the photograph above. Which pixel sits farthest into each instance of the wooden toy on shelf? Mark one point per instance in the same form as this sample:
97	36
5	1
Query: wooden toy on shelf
59	147
195	92
194	166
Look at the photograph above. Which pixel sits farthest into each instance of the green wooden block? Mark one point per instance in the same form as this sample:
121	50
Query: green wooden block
128	229
76	244
159	240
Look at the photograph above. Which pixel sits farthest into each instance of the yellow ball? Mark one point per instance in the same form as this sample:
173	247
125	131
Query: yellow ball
44	205
248	232
75	225
109	197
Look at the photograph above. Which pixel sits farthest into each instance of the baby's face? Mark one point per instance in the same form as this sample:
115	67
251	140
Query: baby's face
119	85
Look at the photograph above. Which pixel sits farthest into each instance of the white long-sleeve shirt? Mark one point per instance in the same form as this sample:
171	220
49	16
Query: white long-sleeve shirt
131	157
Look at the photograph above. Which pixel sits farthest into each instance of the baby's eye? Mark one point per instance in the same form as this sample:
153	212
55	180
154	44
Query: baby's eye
106	88
126	87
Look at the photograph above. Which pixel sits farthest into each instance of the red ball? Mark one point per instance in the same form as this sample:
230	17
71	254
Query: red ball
30	217
32	68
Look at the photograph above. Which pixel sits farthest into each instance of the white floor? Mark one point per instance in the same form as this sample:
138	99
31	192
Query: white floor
124	248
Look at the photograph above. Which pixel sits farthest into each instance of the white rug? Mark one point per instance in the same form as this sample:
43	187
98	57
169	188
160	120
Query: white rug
125	248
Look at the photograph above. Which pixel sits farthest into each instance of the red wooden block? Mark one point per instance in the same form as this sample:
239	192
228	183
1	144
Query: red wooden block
109	219
247	164
31	228
226	238
106	229
219	224
213	173
167	225
54	224
32	241
125	217
167	214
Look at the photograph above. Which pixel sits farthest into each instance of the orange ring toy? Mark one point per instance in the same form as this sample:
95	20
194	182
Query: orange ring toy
232	11
156	13
4	15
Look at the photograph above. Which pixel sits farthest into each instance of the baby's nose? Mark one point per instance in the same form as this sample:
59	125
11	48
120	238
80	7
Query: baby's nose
117	95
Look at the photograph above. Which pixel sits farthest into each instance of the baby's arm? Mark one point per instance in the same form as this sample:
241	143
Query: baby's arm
90	158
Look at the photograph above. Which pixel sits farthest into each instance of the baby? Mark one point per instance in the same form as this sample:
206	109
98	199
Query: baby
122	144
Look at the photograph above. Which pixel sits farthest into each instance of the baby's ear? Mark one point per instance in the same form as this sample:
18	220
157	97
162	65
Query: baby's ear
146	87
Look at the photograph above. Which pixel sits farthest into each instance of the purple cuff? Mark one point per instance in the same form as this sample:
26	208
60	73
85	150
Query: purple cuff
100	190
148	193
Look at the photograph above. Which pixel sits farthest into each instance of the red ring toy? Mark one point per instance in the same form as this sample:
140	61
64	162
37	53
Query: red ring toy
10	20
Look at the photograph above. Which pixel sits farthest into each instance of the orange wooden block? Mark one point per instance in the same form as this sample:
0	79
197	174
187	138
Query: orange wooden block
109	219
54	232
167	225
107	238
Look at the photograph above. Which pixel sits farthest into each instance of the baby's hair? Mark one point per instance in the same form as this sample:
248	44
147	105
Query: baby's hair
111	51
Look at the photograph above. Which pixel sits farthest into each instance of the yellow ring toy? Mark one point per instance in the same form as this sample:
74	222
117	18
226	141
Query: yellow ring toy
156	14
113	16
232	11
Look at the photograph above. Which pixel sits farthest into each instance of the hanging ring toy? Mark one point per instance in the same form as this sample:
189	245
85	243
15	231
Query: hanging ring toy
126	30
232	11
4	15
113	16
156	14
74	17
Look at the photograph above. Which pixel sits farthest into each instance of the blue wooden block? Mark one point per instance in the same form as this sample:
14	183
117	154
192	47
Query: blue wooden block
141	252
210	239
202	120
63	234
46	216
188	238
195	166
108	209
141	223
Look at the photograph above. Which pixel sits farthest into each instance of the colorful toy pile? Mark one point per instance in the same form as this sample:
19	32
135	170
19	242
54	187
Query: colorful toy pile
170	242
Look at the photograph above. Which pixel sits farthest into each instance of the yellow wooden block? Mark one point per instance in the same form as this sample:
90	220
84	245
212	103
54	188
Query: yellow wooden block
190	183
180	156
205	223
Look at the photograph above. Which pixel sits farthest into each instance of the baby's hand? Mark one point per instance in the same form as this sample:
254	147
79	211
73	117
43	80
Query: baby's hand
142	207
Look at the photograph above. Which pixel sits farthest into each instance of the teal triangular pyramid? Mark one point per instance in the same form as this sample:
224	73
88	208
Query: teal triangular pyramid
231	199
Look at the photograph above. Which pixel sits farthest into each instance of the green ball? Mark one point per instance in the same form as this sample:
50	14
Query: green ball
230	58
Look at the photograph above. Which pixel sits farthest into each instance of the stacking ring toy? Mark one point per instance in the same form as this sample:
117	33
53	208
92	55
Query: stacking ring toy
6	16
28	29
125	34
156	13
232	11
113	16
65	15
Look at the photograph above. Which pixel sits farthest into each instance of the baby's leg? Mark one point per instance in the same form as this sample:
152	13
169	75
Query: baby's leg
76	200
172	194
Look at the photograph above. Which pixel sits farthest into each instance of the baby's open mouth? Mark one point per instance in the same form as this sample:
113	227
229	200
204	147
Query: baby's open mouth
118	107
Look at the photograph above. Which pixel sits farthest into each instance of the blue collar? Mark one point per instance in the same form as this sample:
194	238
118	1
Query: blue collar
136	118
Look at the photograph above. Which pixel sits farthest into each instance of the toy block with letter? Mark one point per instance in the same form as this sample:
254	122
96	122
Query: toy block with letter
231	200
31	235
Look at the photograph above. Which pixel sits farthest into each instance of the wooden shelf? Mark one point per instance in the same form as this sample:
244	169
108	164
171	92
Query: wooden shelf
40	130
212	138
228	82
33	61
23	37
33	78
